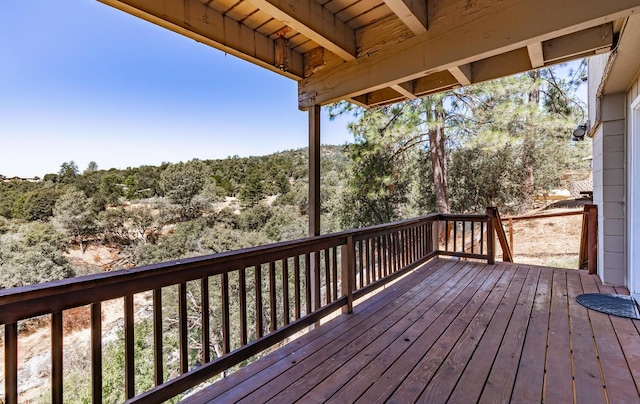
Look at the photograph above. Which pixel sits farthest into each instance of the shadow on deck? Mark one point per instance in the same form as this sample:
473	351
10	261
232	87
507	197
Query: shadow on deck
455	331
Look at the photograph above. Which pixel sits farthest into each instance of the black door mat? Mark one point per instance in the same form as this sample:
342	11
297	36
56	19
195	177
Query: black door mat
617	305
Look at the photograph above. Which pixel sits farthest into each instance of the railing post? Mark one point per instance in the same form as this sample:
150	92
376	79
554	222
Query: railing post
435	235
491	252
348	275
592	237
11	363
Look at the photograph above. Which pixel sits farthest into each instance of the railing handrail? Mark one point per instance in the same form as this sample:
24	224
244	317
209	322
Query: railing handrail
57	295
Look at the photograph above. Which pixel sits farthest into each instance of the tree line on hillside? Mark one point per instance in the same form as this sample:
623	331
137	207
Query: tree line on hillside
153	214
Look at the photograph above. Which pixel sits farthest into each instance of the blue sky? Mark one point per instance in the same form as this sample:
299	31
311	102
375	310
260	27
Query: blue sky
82	81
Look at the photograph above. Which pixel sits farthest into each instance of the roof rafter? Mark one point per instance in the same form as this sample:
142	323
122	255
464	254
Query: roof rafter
197	21
413	13
315	22
504	27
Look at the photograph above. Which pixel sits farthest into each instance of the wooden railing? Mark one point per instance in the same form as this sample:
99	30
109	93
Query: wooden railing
243	302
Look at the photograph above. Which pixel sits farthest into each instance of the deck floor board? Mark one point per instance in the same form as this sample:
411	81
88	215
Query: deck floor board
455	331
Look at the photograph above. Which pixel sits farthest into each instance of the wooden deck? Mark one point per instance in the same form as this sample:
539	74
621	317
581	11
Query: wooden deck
454	331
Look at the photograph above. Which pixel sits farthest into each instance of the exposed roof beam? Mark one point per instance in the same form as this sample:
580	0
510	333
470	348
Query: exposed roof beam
536	55
433	83
193	19
593	39
405	89
505	26
462	74
413	13
315	22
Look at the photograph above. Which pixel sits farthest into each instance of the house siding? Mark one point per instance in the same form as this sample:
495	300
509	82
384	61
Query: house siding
609	191
611	176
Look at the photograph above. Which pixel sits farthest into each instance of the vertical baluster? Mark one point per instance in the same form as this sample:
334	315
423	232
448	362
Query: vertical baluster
285	290
226	316
481	237
296	281
257	272
307	284
473	238
158	359
372	259
96	353
403	250
334	267
414	244
379	250
367	261
407	246
242	289
206	322
129	354
327	277
56	357
360	264
403	241
446	235
183	329
385	255
464	228
272	297
11	363
392	253
455	235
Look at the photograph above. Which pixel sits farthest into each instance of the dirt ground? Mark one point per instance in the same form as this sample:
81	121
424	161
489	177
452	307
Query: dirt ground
553	241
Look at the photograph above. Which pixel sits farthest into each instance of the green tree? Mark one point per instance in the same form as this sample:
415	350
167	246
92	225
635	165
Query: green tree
36	205
68	172
181	183
33	255
72	212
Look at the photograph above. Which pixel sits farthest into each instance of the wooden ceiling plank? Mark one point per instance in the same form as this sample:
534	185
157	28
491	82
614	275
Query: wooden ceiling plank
435	82
203	24
506	26
315	22
413	13
501	65
592	39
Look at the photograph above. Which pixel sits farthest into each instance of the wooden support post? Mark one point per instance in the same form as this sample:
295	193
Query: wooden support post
348	273
314	171
314	200
491	252
592	237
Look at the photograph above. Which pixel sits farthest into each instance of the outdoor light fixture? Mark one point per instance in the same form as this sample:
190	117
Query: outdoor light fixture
579	132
